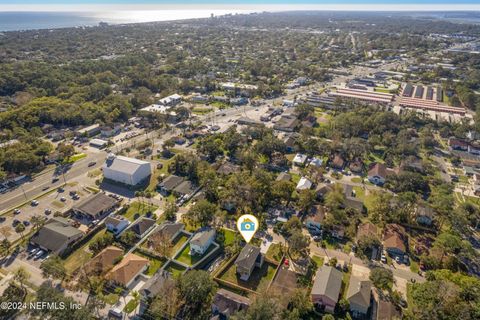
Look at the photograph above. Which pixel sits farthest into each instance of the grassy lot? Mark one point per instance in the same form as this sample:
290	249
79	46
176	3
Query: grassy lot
111	298
346	281
175	269
220	105
318	260
414	266
186	258
94	173
130	306
264	275
81	255
58	204
202	110
274	252
368	200
229	237
140	208
178	243
357	180
155	263
359	192
75	158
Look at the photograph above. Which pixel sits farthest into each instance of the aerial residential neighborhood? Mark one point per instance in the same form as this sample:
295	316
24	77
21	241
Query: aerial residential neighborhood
128	152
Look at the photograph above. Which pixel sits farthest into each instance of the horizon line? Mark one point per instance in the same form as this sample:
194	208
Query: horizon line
247	7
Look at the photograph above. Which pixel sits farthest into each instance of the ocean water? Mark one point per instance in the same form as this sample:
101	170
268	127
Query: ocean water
14	21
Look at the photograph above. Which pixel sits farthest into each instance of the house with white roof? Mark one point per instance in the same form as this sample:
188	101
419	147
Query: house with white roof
304	184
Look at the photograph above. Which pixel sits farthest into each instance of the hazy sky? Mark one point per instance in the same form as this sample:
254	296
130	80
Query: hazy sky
257	5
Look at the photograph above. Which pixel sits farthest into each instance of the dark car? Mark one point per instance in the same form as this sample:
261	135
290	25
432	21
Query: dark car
26	223
15	222
92	163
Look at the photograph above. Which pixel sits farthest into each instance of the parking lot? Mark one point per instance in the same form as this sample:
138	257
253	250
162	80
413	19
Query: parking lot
54	201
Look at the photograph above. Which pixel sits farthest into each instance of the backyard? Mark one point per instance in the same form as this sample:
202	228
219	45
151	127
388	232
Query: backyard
81	255
229	236
264	275
139	207
190	260
155	263
175	269
274	252
178	242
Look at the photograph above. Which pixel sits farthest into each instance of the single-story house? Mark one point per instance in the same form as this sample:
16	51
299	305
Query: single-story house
249	258
201	241
326	287
287	123
98	143
358	295
356	166
314	221
367	229
185	188
304	184
155	284
228	168
386	310
103	261
316	162
142	226
95	206
226	303
378	174
116	224
56	235
127	270
338	162
168	184
394	239
299	159
424	215
283	176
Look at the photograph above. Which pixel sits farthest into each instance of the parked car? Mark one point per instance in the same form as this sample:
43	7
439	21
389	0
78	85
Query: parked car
383	258
55	179
48	211
39	254
33	251
26	223
15	222
63	199
92	163
17	211
397	259
60	189
34	203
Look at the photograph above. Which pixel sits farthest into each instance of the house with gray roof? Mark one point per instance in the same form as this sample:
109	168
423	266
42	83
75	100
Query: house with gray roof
168	184
56	235
249	258
358	295
201	241
142	226
226	303
95	206
326	288
185	188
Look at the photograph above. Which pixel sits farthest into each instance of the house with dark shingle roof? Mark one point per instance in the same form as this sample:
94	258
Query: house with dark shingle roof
358	295
184	188
168	184
249	258
367	229
142	226
226	303
378	174
95	206
326	288
56	235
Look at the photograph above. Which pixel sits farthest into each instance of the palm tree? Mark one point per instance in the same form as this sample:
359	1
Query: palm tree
37	222
21	275
136	298
20	228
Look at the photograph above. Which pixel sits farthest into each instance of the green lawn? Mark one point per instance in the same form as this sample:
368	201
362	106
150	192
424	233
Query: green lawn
130	306
81	255
178	243
138	207
155	263
202	110
274	252
359	192
346	281
186	258
357	180
414	266
175	269
111	298
229	237
75	158
318	260
264	275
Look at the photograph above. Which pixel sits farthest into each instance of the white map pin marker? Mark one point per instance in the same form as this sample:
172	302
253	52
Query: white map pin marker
247	225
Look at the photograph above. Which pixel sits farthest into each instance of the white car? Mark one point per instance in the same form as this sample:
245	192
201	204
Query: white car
39	254
383	258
